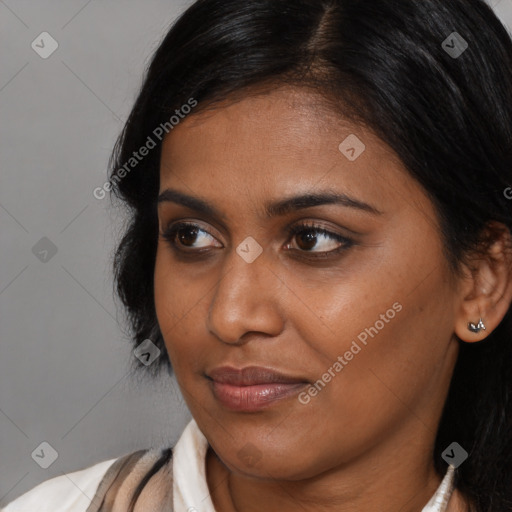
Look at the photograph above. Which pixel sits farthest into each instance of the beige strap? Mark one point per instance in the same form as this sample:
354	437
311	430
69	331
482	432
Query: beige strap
139	481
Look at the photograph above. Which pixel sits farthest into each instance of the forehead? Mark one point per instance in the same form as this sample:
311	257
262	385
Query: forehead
287	123
272	144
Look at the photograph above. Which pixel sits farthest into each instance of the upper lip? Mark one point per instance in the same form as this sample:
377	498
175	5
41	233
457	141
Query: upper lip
250	376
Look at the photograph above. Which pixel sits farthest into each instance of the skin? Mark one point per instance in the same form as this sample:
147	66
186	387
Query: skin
365	441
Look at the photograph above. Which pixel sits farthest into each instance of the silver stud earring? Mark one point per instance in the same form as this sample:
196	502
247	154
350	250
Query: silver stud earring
476	328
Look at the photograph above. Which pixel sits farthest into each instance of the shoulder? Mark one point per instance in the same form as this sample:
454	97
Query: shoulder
69	492
86	490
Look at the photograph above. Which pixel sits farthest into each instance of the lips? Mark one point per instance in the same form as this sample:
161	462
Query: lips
252	388
250	375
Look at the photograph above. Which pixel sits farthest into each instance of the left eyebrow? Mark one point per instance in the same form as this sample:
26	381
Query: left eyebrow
272	209
285	206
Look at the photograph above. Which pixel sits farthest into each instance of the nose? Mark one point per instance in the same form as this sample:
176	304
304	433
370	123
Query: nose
246	300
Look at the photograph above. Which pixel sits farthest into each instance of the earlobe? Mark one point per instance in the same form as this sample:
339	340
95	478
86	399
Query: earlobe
486	293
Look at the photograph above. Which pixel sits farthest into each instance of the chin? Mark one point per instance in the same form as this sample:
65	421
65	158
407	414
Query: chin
254	456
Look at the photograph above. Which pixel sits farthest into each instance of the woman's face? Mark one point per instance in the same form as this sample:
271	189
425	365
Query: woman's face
350	330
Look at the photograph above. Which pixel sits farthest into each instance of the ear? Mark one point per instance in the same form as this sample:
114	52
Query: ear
486	288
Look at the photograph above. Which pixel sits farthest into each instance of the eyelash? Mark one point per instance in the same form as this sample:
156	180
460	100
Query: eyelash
170	236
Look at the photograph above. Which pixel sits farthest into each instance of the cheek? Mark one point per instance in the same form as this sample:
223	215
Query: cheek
393	350
179	302
391	328
394	309
169	298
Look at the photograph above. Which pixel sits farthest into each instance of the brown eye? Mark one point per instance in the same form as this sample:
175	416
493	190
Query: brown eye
308	238
188	235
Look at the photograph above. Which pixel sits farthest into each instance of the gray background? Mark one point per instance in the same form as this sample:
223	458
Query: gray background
64	365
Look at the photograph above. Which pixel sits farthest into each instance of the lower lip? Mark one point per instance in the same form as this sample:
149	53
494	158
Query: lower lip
256	397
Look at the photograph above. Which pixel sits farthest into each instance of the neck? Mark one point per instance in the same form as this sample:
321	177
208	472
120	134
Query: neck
399	478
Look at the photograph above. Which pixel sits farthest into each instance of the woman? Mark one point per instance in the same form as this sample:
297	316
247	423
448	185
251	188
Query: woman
320	244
